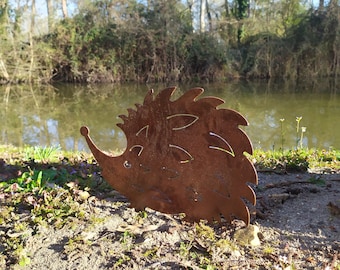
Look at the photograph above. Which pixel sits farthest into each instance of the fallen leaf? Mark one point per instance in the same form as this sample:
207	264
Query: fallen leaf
248	236
72	185
31	200
84	195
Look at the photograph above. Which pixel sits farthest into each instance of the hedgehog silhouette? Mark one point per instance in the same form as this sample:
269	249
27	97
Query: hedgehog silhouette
183	156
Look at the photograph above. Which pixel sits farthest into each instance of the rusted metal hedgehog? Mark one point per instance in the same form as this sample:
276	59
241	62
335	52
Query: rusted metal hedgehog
183	156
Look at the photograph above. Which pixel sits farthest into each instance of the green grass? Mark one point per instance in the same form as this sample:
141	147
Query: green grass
297	160
34	170
42	154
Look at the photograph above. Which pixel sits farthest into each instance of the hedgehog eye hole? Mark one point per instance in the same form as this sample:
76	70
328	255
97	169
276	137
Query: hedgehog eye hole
127	164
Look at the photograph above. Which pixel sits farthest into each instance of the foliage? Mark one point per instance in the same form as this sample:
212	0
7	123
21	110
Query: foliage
42	154
107	41
307	48
122	50
29	181
297	160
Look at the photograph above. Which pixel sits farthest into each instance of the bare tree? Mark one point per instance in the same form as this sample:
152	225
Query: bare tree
208	14
190	4
31	34
202	15
226	8
205	16
50	14
64	8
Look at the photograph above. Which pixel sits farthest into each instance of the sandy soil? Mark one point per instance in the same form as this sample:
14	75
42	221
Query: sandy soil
298	216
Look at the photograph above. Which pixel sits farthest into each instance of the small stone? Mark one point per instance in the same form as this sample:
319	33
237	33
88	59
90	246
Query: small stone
248	236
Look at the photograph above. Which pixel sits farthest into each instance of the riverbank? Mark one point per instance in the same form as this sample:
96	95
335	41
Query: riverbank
164	41
58	213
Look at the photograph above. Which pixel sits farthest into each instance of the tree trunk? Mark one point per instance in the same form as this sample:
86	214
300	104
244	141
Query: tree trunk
321	5
50	14
64	8
209	15
190	4
226	8
31	34
202	16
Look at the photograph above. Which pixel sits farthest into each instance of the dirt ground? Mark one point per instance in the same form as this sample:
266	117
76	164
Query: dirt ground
298	217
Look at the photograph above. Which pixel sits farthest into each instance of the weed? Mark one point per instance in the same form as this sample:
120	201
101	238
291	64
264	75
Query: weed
184	248
21	256
151	253
298	135
298	120
205	263
209	267
282	133
268	250
77	242
297	160
226	244
124	258
317	181
127	239
142	214
303	130
204	231
30	181
6	214
293	160
70	246
42	154
21	227
94	220
55	206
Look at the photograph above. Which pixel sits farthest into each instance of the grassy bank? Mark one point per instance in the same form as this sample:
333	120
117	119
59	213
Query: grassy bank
38	169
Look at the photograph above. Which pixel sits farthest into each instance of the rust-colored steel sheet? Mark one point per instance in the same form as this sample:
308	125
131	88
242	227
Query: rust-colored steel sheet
183	156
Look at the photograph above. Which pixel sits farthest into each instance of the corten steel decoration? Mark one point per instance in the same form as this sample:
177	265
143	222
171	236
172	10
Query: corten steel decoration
182	156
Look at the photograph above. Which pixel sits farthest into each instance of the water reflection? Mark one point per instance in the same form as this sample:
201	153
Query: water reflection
49	115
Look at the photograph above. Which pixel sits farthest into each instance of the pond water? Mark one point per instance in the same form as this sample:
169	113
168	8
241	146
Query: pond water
52	115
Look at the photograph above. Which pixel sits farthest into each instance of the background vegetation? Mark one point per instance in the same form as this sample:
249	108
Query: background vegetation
167	40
